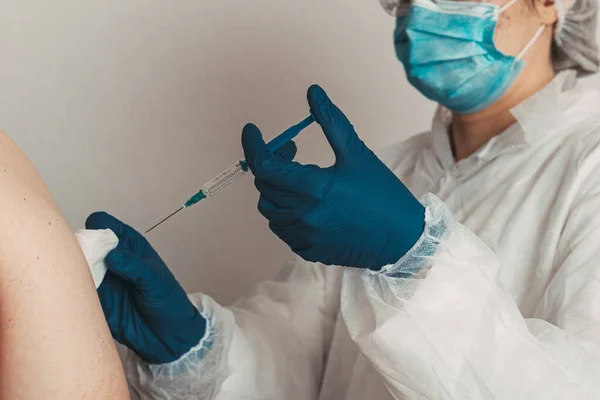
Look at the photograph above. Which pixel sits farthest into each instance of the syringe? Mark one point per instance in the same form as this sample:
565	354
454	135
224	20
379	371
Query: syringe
238	169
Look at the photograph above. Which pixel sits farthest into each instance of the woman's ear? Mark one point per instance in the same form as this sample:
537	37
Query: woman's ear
546	11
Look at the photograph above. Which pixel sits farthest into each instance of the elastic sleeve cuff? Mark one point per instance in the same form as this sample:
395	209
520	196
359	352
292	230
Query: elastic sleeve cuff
196	353
418	260
199	372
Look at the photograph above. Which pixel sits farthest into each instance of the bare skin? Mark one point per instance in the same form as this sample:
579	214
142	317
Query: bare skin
516	26
54	341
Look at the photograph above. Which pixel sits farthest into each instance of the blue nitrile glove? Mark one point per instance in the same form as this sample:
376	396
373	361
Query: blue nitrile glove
356	213
145	307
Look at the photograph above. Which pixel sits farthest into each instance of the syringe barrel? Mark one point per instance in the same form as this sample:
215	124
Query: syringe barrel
225	178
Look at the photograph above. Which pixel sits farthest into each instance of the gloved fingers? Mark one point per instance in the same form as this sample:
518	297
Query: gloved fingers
288	234
103	220
266	208
266	165
112	292
281	197
337	128
253	145
302	195
127	266
128	237
276	216
288	151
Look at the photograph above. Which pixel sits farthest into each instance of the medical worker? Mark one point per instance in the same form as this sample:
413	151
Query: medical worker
486	287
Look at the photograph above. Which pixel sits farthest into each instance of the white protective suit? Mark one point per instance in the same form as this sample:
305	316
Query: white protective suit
508	306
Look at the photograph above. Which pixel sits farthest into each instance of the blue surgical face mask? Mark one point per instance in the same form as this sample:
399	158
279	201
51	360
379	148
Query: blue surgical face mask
449	55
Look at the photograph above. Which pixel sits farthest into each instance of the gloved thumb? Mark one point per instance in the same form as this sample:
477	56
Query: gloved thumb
126	265
337	128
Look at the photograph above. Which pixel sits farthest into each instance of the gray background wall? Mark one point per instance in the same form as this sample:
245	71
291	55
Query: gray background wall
129	106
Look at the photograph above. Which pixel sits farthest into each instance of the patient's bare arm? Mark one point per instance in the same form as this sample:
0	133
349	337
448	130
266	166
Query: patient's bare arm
54	341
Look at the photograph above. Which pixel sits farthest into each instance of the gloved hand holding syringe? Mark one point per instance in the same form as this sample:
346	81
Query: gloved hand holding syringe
238	169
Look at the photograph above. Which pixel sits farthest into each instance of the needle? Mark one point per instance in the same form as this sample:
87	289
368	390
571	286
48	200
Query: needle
165	219
240	168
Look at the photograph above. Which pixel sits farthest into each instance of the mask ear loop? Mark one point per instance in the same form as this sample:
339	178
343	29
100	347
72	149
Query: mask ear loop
505	7
533	39
530	44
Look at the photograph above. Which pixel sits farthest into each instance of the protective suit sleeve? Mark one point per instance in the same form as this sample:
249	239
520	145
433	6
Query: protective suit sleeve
452	332
271	345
